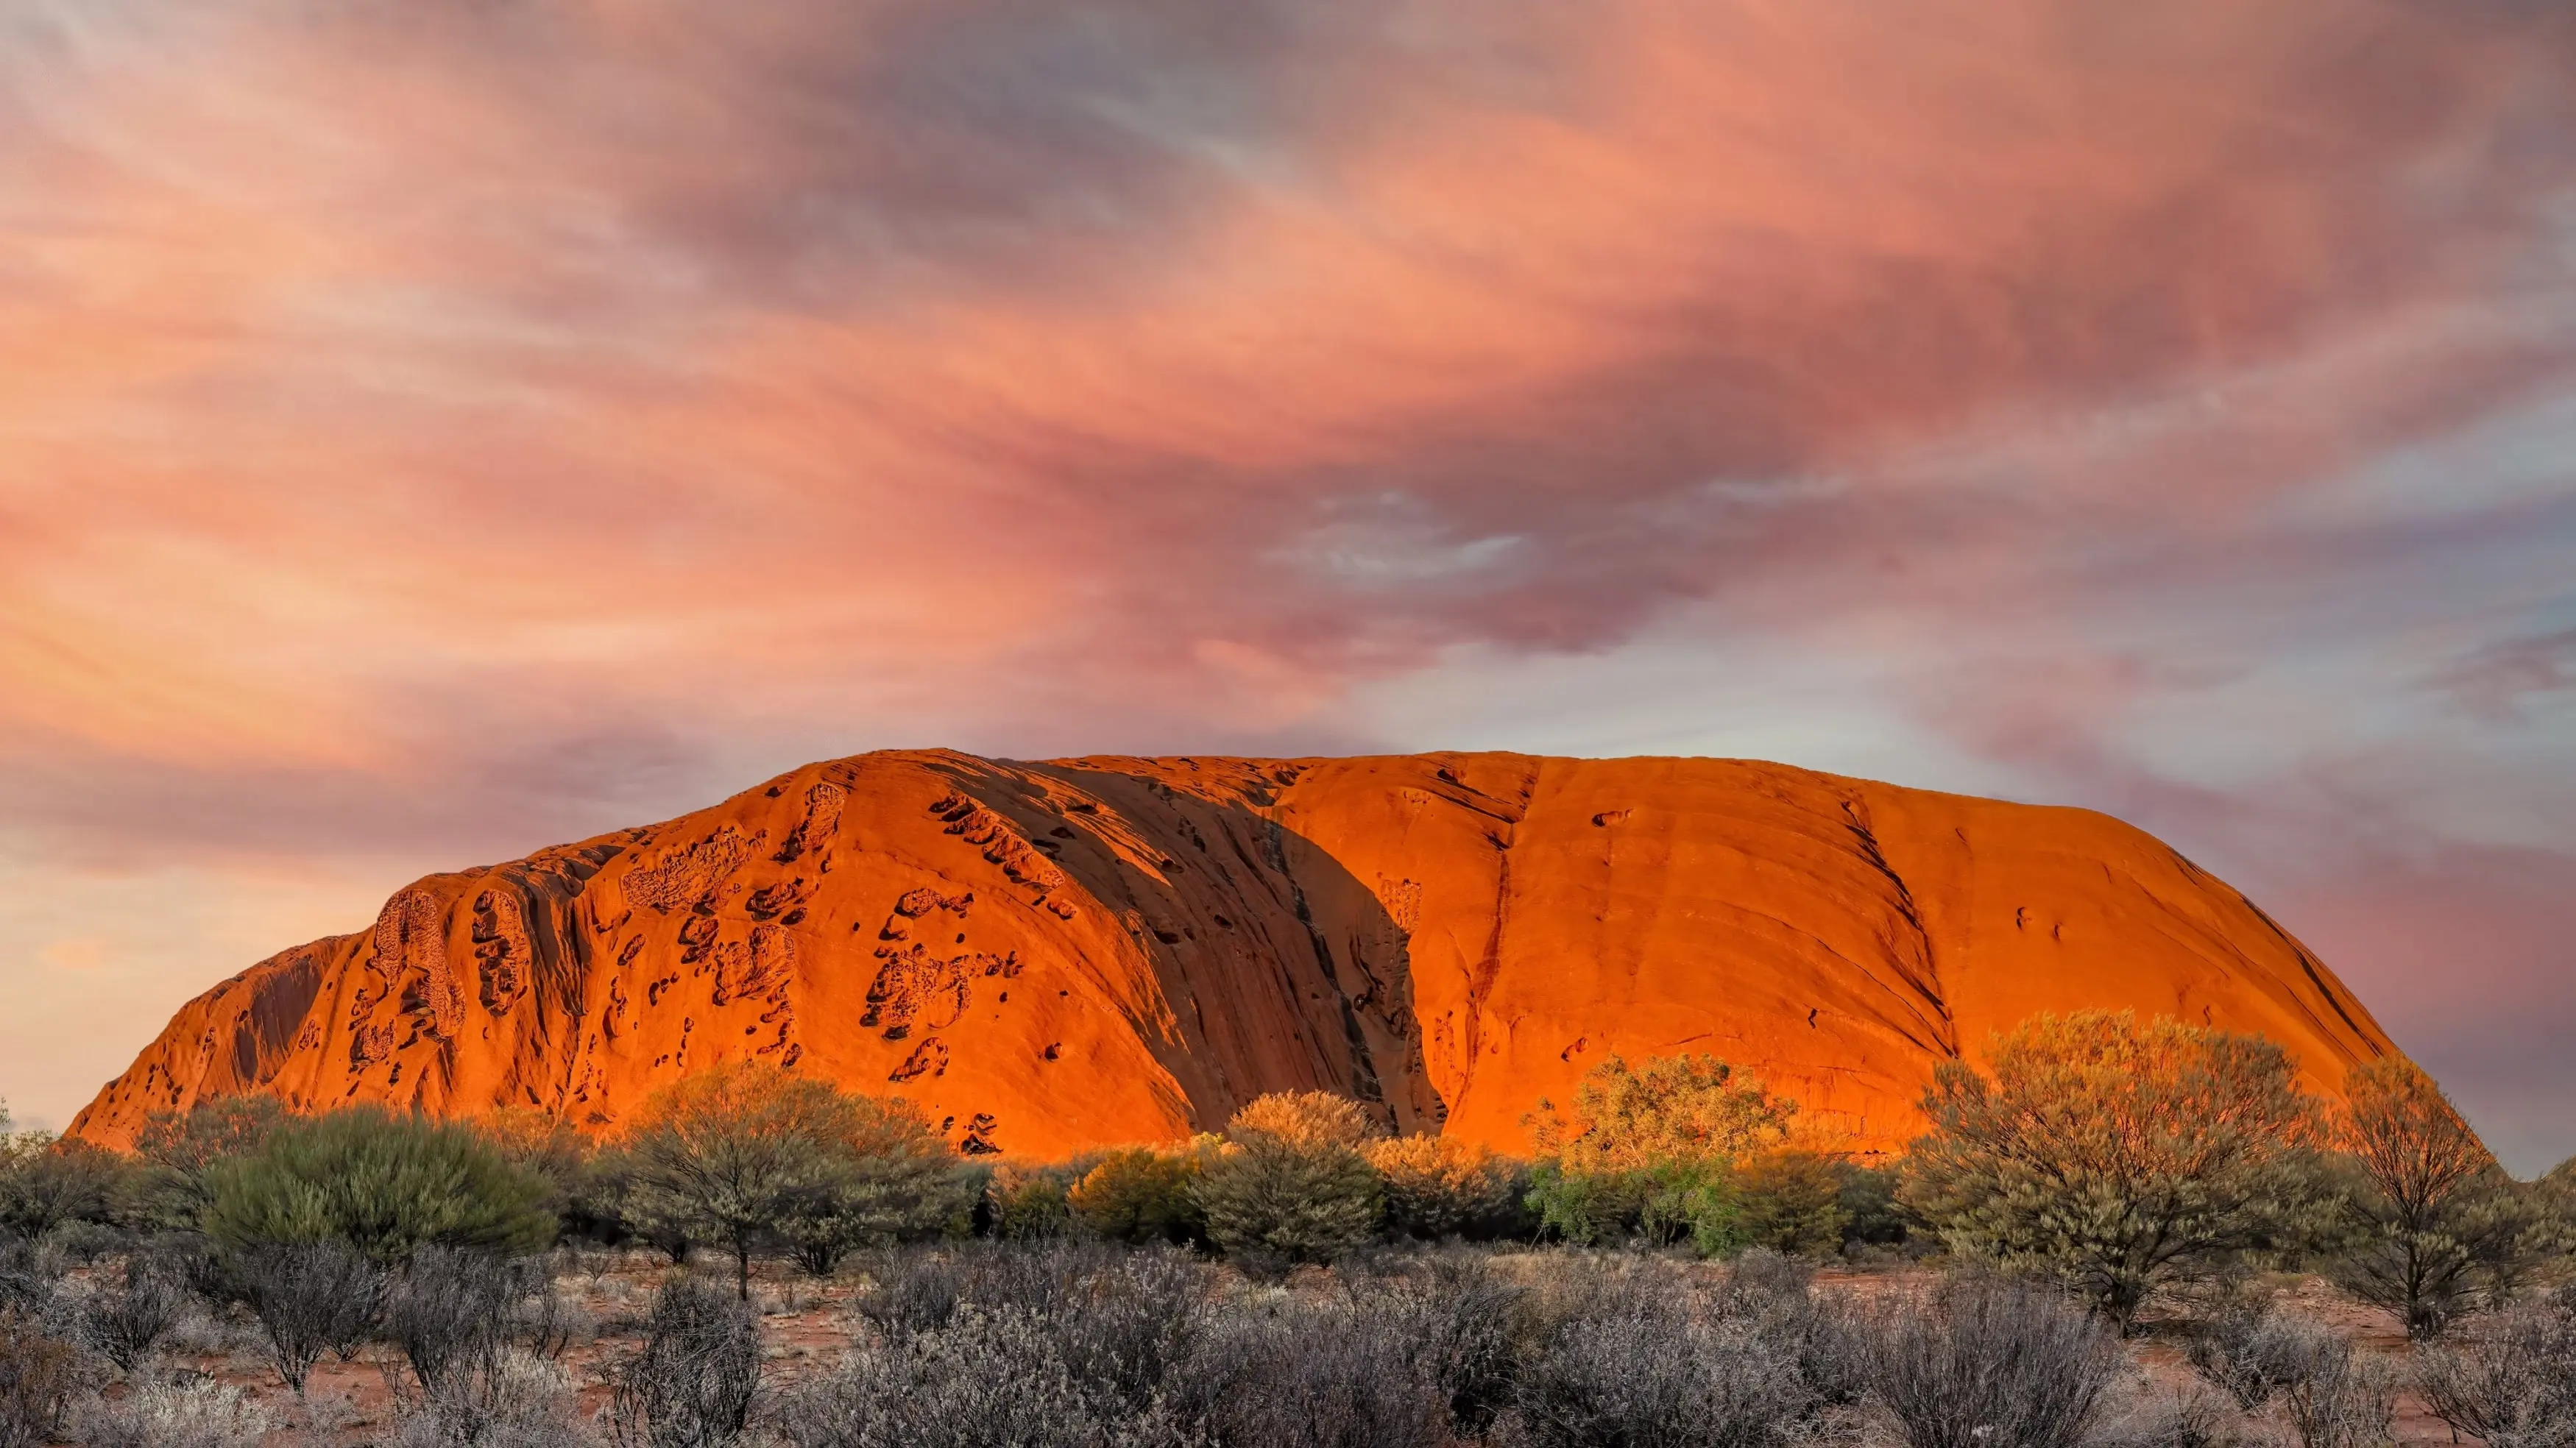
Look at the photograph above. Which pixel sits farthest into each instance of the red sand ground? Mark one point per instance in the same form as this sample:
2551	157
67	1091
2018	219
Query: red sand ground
1066	954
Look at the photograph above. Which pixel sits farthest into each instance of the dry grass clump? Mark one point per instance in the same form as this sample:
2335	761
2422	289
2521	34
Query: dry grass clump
199	1413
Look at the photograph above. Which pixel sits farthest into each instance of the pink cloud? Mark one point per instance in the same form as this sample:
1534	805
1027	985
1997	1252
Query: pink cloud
456	428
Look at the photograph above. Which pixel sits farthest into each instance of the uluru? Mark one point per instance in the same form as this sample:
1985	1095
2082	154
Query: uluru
1081	952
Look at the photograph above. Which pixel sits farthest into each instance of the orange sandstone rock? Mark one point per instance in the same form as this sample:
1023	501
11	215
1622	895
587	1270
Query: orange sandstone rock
1053	956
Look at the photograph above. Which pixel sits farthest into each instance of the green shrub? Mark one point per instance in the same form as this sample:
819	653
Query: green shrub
2553	1211
2115	1155
1651	1153
1143	1194
48	1182
1026	1203
550	1149
1290	1183
1871	1214
755	1157
1660	1205
1443	1186
1791	1202
385	1184
891	1177
176	1153
1308	1120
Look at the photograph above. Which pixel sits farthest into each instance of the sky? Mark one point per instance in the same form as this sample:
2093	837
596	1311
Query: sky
432	432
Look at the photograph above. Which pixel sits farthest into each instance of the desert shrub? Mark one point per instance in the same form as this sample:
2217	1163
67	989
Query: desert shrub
1990	1363
2509	1382
2553	1205
82	1242
1443	1186
1142	1195
2114	1155
1791	1202
2249	1353
693	1382
548	1148
1651	1152
459	1311
1594	1209
1129	1323
1639	1361
2186	1417
513	1399
920	1289
2431	1224
200	1413
1303	1373
1118	1342
48	1182
1871	1215
175	1154
310	1298
2329	1396
25	1284
125	1317
914	1289
39	1373
892	1176
1466	1325
751	1155
1762	1280
1308	1119
1826	1336
1025	1202
986	1376
1291	1184
1123	1317
385	1184
199	1263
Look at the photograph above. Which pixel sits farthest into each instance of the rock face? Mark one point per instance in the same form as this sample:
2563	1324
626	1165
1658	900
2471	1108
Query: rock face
1089	951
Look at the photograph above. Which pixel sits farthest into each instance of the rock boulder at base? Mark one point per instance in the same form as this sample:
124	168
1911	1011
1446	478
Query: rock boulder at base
1053	956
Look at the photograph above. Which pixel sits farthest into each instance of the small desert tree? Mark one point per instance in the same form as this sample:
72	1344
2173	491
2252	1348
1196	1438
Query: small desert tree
2115	1155
385	1184
1652	1151
2431	1221
890	1176
750	1155
1292	1182
176	1153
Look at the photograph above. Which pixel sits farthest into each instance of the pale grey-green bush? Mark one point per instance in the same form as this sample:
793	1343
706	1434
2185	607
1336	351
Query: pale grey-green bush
1984	1362
200	1413
2508	1381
